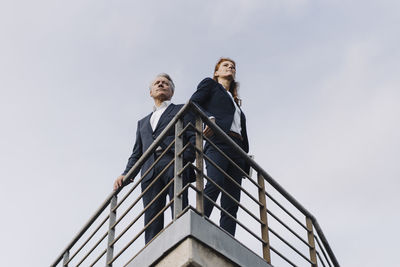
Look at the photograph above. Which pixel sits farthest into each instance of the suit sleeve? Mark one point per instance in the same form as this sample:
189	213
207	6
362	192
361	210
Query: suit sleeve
189	137
189	154
136	153
203	94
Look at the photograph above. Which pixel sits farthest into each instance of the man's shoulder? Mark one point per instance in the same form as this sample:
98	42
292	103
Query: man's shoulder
176	107
147	117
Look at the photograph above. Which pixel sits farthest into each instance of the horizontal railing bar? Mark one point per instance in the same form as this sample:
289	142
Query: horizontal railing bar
183	189
135	185
152	148
134	168
171	222
157	215
232	162
143	229
324	241
219	132
188	125
92	249
266	176
234	200
230	178
320	259
183	211
187	165
194	108
322	249
141	194
288	228
142	212
144	175
194	188
283	257
289	245
189	207
270	229
92	219
183	149
99	257
228	158
233	218
285	210
88	239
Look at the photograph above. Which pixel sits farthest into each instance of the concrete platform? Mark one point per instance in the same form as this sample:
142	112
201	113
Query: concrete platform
193	241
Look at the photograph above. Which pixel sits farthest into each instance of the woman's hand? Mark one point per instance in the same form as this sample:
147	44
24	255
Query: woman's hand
118	182
208	132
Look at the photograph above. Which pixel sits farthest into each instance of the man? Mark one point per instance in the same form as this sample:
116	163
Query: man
148	129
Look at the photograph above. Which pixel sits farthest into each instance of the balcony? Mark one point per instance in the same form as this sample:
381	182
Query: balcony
273	228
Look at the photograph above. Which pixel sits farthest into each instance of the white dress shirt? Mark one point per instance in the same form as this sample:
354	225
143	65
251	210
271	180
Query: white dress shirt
157	112
236	125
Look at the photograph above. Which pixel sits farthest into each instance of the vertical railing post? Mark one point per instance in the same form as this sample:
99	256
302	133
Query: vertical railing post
199	165
111	230
263	218
311	242
178	180
66	258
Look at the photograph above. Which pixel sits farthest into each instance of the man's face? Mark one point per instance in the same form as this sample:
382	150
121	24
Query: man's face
161	89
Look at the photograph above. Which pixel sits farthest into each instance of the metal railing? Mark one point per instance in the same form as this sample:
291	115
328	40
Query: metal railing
282	237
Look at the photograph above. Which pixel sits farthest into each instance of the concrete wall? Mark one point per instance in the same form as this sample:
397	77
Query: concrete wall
191	252
193	241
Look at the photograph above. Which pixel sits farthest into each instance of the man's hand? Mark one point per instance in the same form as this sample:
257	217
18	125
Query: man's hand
208	132
118	182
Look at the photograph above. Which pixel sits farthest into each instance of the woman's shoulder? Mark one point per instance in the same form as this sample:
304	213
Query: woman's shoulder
206	82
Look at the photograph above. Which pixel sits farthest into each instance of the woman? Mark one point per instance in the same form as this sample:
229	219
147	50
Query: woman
218	98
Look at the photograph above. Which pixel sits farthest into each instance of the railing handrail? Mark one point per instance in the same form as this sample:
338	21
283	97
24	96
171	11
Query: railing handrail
135	168
267	177
193	107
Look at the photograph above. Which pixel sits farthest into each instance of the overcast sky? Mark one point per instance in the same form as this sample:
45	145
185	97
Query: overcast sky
320	86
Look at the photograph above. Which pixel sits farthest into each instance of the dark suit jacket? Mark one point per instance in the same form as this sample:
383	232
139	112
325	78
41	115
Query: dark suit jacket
145	136
214	100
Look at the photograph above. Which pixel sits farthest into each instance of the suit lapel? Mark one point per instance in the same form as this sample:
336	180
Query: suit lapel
165	113
221	87
226	94
242	118
147	125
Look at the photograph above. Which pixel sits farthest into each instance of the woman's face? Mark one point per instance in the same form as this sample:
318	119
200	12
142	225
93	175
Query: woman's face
226	70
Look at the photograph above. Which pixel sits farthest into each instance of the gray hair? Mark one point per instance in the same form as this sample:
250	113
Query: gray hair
171	82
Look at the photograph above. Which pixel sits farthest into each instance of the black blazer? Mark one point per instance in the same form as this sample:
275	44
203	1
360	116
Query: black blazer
145	136
214	100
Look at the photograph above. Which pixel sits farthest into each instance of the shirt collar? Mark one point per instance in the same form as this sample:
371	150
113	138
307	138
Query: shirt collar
164	104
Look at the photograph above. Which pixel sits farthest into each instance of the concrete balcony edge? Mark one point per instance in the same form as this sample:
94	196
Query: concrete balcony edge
192	225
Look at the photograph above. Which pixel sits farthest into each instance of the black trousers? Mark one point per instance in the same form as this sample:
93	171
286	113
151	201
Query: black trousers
212	191
158	224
